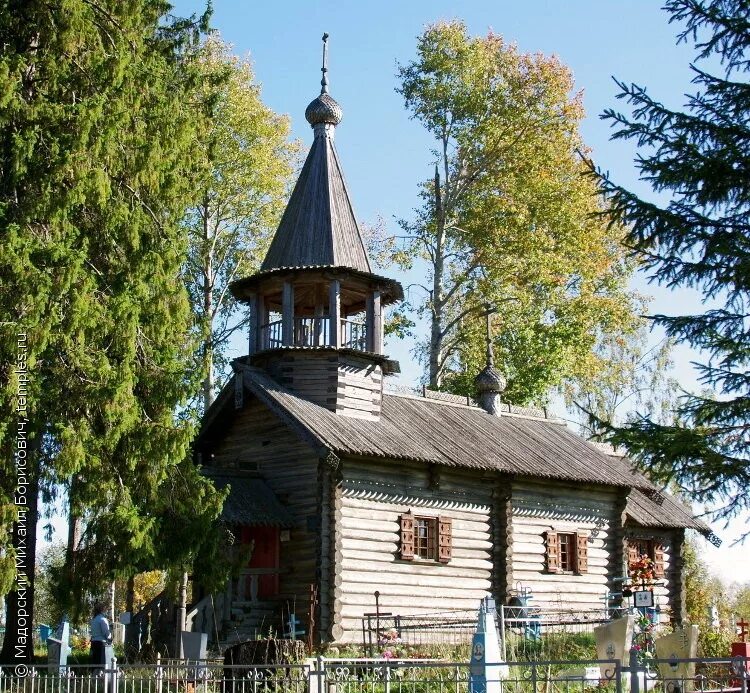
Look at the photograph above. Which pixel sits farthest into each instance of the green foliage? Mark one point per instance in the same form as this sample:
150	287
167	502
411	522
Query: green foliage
248	164
99	126
629	375
717	644
509	219
697	159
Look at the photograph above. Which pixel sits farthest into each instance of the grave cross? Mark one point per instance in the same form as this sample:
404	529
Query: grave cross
743	624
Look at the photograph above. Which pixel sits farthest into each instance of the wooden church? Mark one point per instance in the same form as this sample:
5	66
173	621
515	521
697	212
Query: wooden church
433	501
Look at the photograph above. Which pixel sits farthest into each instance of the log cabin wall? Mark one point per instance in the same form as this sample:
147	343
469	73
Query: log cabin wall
668	589
540	507
258	442
340	381
373	496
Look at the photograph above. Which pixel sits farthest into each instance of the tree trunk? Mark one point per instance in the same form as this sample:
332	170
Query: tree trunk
18	647
438	279
208	307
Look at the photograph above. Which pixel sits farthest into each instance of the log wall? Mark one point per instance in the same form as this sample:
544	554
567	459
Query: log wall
539	507
259	442
668	590
346	383
372	497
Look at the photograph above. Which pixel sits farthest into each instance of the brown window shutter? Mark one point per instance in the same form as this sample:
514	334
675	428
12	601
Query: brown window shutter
553	552
658	560
406	538
632	554
582	553
445	539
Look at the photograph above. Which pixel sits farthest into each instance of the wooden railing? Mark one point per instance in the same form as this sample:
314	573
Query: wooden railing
354	335
270	335
314	331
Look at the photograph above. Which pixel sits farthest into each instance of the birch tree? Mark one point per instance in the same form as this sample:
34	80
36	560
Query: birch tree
249	162
506	218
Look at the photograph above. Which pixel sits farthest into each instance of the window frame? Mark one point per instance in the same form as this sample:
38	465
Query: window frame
654	551
577	563
438	546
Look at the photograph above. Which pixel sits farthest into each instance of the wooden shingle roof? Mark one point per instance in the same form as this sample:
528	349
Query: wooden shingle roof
426	430
251	502
437	432
319	228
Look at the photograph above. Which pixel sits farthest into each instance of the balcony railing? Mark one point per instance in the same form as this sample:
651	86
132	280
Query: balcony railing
354	335
315	331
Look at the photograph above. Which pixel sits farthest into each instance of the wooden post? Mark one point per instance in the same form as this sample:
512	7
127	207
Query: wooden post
370	323
318	322
181	613
334	309
287	314
254	336
377	324
261	317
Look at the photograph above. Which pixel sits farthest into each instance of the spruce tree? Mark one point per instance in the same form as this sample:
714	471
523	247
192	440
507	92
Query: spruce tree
98	121
699	159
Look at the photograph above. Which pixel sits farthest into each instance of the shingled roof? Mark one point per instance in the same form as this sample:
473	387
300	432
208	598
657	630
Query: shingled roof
319	227
438	432
425	430
250	502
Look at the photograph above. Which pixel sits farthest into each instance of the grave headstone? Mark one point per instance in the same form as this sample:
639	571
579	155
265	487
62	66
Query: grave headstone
58	646
613	641
677	675
193	645
485	669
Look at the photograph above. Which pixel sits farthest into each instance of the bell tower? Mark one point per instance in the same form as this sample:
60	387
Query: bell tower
316	308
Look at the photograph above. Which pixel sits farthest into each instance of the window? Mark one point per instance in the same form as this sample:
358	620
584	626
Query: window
428	538
567	552
651	548
424	537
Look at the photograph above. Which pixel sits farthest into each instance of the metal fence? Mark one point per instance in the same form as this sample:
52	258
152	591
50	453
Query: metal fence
323	675
528	632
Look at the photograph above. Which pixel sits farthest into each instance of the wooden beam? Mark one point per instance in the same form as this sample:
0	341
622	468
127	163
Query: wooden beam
287	314
261	318
254	333
334	310
377	323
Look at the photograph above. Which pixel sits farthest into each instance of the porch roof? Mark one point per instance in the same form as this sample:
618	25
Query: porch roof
250	502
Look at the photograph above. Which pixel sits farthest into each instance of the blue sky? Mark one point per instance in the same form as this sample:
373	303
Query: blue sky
385	155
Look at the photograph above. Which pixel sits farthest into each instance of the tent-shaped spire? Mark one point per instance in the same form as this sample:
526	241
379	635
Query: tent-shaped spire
318	227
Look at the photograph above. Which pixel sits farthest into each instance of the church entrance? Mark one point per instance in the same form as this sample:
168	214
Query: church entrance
260	580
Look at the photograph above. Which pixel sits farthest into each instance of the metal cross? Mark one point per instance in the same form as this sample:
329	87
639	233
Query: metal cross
324	69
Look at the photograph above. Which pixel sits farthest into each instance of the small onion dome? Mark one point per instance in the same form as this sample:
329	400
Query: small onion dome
324	109
490	379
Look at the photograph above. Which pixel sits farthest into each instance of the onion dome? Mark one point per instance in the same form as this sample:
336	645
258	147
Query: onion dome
324	109
490	379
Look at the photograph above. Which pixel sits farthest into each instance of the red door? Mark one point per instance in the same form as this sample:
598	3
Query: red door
265	557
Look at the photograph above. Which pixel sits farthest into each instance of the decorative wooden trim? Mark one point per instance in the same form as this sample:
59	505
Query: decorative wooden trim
552	545
406	537
445	539
582	553
658	559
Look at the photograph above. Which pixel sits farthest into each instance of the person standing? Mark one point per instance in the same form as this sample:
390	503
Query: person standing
101	635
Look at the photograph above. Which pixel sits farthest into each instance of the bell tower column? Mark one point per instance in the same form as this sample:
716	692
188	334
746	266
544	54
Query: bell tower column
287	314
